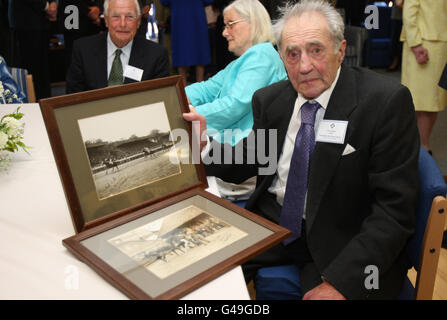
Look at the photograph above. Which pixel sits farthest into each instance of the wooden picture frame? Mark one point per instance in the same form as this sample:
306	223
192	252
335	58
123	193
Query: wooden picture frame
252	234
101	111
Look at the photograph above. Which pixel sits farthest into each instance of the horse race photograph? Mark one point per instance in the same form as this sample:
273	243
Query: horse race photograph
129	148
176	241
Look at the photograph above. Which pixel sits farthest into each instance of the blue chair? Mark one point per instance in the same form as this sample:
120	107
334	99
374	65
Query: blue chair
282	282
425	245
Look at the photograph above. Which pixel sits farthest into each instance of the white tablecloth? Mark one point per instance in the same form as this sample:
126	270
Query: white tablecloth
34	218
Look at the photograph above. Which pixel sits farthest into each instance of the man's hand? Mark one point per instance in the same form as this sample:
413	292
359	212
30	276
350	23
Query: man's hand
198	126
421	54
52	11
324	291
93	14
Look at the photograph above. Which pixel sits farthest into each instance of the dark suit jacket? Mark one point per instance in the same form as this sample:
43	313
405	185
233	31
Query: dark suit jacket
360	207
88	69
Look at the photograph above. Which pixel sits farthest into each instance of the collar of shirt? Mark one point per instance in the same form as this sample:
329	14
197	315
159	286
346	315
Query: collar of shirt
125	55
278	186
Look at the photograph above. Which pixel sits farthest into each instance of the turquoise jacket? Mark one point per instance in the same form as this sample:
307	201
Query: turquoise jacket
225	99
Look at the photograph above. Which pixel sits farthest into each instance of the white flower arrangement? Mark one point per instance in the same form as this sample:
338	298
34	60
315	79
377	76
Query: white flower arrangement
11	135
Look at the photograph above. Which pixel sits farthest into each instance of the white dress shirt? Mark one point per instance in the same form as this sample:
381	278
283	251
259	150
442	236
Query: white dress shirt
125	55
278	186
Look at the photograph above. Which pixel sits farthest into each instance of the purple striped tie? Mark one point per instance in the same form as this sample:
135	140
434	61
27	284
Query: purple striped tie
293	206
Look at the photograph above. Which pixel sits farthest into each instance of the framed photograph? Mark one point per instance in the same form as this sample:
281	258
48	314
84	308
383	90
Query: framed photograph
122	148
170	248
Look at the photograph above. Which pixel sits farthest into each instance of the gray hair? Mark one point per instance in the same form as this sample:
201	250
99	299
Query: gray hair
107	2
335	22
254	12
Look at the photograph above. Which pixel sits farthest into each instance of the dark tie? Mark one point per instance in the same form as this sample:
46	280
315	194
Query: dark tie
116	73
293	205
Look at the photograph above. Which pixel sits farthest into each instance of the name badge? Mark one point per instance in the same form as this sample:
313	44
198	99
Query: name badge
332	131
133	73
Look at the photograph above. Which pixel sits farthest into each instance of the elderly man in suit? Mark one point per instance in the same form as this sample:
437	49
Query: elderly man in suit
116	57
346	179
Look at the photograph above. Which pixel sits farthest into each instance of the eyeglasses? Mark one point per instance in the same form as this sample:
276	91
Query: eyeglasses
230	24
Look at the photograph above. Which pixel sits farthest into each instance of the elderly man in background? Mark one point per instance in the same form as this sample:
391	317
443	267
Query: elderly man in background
116	57
347	150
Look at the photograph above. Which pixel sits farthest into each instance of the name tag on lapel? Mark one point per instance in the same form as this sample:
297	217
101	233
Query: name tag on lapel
133	73
332	131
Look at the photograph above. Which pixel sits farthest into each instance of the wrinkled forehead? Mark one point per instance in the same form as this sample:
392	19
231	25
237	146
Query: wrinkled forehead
308	28
122	7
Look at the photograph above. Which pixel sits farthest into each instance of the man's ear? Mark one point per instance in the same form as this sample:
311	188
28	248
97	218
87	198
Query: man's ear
342	51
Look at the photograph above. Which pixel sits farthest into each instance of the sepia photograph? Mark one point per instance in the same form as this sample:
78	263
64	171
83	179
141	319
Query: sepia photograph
174	242
129	148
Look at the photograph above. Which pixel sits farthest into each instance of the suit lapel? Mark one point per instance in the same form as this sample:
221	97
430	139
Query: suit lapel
327	155
280	114
136	59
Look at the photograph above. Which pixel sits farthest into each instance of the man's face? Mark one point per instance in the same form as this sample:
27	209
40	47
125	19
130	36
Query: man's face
308	53
122	21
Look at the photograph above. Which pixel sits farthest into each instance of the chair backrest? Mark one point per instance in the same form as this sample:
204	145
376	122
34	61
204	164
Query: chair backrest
20	77
30	86
425	245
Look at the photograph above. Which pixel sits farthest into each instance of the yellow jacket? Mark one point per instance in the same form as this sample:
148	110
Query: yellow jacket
424	19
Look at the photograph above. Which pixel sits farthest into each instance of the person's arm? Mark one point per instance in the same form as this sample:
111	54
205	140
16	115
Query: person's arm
203	92
411	12
215	161
254	72
393	186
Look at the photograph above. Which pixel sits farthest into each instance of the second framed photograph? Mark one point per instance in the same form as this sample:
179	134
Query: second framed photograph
171	248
